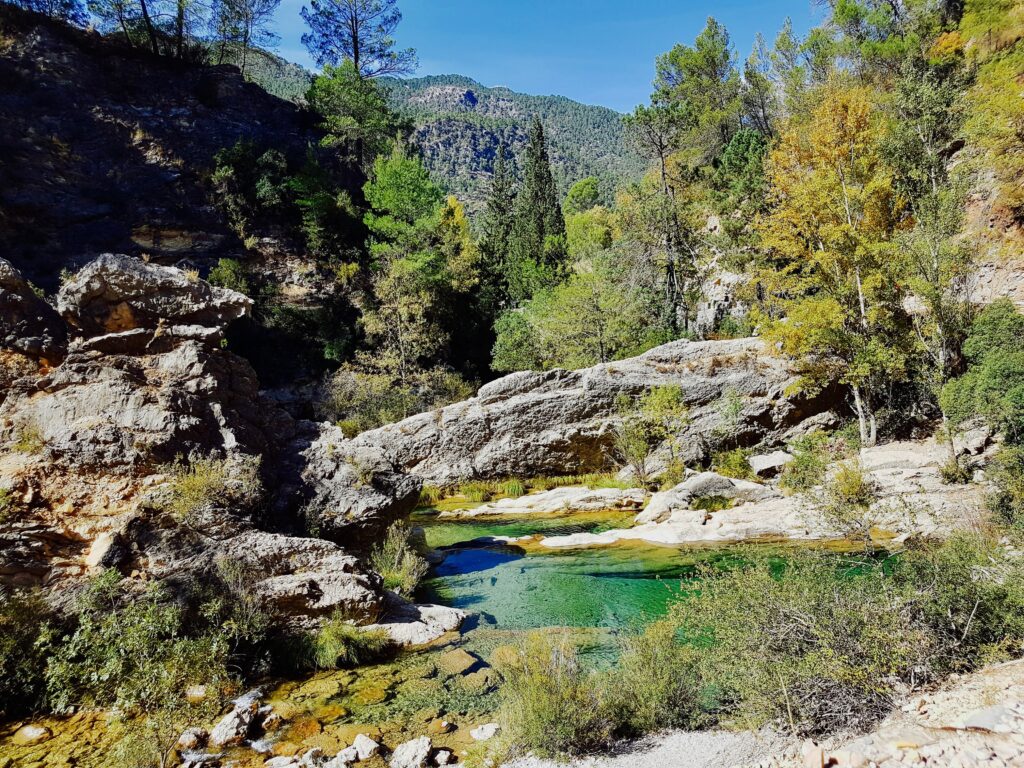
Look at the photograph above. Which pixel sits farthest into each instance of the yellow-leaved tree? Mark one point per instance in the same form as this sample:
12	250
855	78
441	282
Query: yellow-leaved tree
833	300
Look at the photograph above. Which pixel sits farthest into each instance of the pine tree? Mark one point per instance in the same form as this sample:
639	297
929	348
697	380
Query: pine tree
497	233
537	250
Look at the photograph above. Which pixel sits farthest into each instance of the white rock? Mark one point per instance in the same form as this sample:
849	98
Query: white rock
365	747
409	624
234	726
280	762
443	757
485	732
769	464
411	754
566	500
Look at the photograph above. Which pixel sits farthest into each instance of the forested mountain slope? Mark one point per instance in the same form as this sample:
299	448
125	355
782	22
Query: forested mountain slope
459	124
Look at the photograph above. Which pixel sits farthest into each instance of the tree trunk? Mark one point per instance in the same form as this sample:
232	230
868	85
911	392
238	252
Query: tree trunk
149	27
866	420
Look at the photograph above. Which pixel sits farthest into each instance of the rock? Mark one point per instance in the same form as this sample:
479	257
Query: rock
234	726
699	486
313	758
30	735
408	624
562	422
769	464
444	757
457	661
280	762
411	754
813	755
118	293
343	759
365	747
193	739
27	323
439	727
566	500
485	732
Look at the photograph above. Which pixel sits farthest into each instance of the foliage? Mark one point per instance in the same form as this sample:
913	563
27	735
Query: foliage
358	31
8	505
1007	499
656	418
395	559
28	439
810	461
477	491
549	705
25	639
582	196
339	645
202	482
231	274
845	500
733	463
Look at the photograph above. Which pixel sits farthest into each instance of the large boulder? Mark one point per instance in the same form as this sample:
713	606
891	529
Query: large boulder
28	324
563	422
117	293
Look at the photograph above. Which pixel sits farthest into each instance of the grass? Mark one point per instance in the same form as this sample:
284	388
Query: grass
733	464
397	562
205	482
28	439
339	645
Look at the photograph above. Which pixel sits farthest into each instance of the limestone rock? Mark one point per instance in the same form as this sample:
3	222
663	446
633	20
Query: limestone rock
411	754
234	726
30	735
562	422
769	464
410	624
566	500
120	293
700	486
444	757
27	323
485	732
365	747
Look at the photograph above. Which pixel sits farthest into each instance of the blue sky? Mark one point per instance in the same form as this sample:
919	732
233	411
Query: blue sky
594	51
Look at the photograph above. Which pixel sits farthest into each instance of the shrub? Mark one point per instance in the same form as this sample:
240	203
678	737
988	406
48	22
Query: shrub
1007	499
25	639
549	704
8	505
711	503
230	273
477	491
430	495
845	501
733	464
395	560
513	488
28	439
208	481
810	461
340	645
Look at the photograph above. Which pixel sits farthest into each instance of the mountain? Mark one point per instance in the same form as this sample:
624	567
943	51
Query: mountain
459	124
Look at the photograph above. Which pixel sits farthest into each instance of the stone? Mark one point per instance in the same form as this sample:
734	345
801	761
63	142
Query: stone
27	323
560	501
365	747
30	735
444	757
769	464
408	624
411	754
193	739
234	726
117	293
457	661
280	762
485	732
700	486
563	422
439	727
813	755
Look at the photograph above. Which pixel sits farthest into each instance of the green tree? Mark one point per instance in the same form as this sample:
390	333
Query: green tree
537	247
497	224
583	195
355	112
359	31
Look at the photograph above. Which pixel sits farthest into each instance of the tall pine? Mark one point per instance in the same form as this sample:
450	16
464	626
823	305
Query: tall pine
497	233
537	250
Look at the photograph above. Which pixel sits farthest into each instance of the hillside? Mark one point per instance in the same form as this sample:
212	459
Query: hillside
461	122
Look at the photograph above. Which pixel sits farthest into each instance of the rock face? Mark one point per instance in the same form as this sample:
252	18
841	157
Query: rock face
28	324
562	422
85	446
559	501
117	293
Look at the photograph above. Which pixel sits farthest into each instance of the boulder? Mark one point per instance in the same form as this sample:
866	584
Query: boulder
556	501
27	323
233	728
444	757
411	754
365	747
769	464
116	293
701	486
408	624
30	735
563	422
485	732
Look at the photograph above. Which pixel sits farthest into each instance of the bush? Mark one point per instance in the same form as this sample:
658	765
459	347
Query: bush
513	488
430	495
477	491
395	560
1007	499
733	464
8	505
810	461
845	501
25	639
340	645
204	482
231	274
549	704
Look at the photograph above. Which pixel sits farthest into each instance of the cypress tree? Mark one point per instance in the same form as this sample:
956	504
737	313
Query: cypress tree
537	248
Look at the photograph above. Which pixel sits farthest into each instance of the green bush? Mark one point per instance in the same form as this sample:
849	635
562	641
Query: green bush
397	561
845	501
513	488
25	640
549	704
203	482
430	495
1007	499
477	491
232	274
810	461
341	645
733	464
